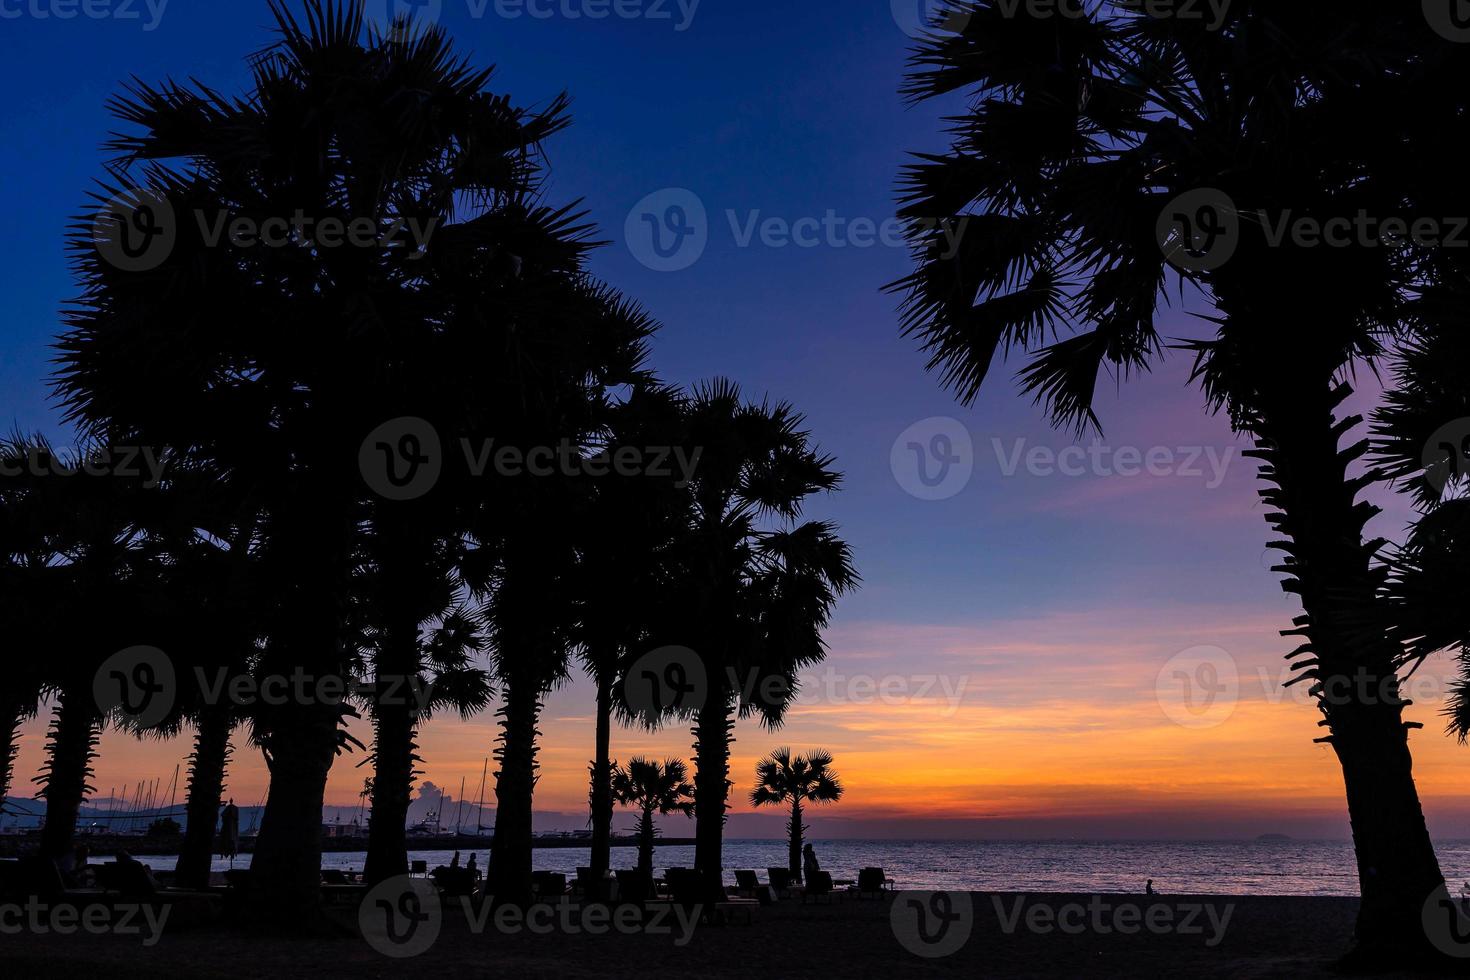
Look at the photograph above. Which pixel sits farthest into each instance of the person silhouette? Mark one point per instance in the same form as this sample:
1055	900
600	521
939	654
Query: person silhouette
1148	889
809	864
454	862
473	867
1465	898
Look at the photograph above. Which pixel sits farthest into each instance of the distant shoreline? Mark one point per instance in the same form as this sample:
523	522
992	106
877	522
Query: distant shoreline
108	844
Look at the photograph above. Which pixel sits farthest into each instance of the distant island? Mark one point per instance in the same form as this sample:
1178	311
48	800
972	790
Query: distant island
1273	837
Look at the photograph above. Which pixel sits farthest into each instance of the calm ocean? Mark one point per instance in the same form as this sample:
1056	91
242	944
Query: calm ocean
1292	867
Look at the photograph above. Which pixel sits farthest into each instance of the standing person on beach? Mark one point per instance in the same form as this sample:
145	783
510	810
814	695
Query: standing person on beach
809	865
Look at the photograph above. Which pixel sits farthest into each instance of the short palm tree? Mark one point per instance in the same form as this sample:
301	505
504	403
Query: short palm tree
784	779
1083	137
654	789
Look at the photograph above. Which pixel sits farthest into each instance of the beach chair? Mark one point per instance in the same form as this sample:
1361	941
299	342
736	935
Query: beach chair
592	887
634	887
818	888
781	881
418	869
550	885
873	882
692	891
454	882
747	885
129	879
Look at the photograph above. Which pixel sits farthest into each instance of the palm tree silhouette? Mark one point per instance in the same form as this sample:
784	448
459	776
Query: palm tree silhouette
625	561
435	672
93	560
280	391
1425	419
755	589
781	778
23	555
653	789
1090	135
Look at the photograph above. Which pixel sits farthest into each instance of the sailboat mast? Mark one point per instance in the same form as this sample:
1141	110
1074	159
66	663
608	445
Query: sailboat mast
480	807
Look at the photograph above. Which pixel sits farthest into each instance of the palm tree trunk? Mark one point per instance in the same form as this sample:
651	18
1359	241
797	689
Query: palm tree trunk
395	719
793	830
395	751
285	871
75	729
302	735
711	784
206	786
645	845
10	715
509	876
1349	654
601	794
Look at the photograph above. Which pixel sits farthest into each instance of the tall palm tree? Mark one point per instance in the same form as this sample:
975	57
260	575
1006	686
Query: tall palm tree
624	561
89	523
23	554
754	588
1081	133
653	789
412	679
1423	443
781	778
280	388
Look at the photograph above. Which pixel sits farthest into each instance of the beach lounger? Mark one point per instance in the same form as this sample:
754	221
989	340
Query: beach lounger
691	891
873	882
782	881
818	888
548	884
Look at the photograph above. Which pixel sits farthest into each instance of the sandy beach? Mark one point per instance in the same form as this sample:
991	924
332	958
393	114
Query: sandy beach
1001	935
